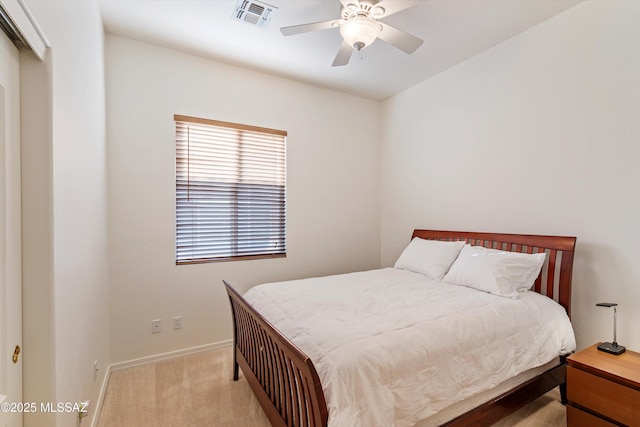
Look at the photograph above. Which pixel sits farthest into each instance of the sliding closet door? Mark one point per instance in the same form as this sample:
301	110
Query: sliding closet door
10	239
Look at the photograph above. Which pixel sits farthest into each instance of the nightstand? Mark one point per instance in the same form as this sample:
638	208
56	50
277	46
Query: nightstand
603	389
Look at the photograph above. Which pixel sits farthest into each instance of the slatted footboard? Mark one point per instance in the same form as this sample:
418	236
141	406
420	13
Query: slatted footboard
282	377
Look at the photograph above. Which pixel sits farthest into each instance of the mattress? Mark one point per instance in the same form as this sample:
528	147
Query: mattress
394	348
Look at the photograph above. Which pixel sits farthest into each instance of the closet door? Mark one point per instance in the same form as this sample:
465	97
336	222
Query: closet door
12	405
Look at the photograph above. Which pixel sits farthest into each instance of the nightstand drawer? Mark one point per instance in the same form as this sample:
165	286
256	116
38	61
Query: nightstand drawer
578	418
605	397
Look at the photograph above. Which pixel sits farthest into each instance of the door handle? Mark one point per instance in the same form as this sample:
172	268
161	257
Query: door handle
16	354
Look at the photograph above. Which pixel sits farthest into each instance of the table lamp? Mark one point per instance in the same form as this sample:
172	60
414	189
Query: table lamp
611	347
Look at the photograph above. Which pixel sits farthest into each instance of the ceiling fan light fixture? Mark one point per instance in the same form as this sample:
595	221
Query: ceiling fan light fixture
360	32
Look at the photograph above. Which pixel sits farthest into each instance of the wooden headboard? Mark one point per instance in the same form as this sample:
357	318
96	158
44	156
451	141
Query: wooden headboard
554	280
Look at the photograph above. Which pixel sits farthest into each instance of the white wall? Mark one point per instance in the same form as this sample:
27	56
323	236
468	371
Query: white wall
66	285
332	190
540	134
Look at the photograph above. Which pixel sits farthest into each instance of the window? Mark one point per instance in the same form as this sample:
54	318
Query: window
230	191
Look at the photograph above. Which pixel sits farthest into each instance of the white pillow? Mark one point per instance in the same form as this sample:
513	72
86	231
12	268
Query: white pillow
498	272
429	257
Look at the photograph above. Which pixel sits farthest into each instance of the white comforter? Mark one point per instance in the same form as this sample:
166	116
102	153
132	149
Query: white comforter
393	347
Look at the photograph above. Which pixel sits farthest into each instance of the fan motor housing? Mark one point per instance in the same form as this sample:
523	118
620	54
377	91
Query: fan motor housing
365	9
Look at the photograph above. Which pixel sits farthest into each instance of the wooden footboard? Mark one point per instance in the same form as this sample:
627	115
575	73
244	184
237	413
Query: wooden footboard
282	377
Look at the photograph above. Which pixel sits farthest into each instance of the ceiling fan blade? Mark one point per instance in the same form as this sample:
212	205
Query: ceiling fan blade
305	28
403	41
392	6
343	56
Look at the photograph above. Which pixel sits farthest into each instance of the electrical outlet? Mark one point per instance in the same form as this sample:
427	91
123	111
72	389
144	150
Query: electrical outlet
177	322
156	326
95	370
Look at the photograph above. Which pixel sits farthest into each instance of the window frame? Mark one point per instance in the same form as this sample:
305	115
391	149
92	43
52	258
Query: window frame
280	221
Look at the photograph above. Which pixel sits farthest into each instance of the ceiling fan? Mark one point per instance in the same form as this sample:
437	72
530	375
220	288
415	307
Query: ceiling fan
360	26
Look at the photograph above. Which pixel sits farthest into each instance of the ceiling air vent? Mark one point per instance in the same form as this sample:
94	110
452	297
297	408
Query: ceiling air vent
254	12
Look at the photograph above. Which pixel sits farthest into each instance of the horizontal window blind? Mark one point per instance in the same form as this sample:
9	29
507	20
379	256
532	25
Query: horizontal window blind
230	191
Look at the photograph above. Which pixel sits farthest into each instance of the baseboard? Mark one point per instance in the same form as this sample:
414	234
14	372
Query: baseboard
103	390
148	360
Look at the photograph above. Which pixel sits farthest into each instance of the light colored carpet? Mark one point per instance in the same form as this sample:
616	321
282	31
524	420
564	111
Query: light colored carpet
197	390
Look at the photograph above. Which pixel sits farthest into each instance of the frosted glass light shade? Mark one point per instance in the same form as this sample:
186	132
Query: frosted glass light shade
360	32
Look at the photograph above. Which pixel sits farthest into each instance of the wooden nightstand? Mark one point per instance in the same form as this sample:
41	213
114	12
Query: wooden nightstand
603	389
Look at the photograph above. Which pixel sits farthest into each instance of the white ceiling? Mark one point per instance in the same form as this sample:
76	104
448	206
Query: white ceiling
452	30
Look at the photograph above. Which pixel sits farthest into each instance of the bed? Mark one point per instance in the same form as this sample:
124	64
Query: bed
290	386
